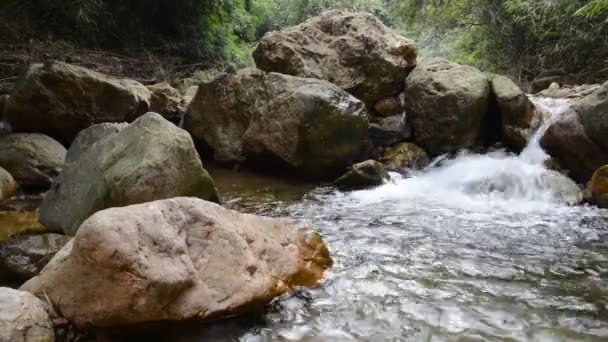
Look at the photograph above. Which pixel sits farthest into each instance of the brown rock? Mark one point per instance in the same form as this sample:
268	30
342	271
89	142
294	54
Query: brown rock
355	51
60	100
307	125
599	187
388	106
177	259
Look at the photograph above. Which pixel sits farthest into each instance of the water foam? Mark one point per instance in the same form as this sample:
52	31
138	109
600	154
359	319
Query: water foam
498	179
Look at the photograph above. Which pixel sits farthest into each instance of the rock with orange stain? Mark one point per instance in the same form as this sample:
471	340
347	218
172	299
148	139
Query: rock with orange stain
599	187
177	259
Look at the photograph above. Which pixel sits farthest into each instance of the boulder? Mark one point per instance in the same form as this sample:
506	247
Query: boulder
114	165
405	157
33	160
167	101
515	110
446	104
355	51
23	317
307	125
24	256
362	175
599	187
388	106
177	259
389	131
60	100
593	112
8	187
567	141
15	221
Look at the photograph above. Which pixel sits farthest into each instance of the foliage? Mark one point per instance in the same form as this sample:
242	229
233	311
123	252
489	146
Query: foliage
522	38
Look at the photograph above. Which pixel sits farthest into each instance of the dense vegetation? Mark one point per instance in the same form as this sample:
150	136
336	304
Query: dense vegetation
522	38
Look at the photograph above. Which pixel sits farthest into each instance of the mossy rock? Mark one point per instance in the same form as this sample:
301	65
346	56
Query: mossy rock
362	175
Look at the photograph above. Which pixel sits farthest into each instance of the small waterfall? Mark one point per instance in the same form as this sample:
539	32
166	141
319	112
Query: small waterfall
473	180
550	110
5	128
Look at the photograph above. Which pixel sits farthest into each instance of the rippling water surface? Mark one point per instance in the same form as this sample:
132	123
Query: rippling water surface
475	248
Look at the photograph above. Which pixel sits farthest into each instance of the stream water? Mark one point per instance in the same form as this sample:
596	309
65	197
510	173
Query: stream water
479	247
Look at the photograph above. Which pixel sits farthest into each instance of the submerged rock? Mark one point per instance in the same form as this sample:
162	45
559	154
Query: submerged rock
23	257
599	187
23	317
114	165
274	120
405	157
177	259
516	112
446	104
8	187
33	160
60	100
355	51
362	175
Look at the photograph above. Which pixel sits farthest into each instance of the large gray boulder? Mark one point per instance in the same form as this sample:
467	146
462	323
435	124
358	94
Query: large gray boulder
593	112
177	259
33	160
567	141
446	104
23	317
515	110
355	51
577	139
114	165
60	100
308	125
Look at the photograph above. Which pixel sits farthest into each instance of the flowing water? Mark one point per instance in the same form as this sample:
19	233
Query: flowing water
479	247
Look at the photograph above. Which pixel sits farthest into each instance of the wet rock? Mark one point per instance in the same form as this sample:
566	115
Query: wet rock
567	141
177	259
599	187
33	160
60	100
167	101
405	157
113	165
24	256
389	106
362	175
516	112
389	131
593	112
8	187
307	125
446	104
355	51
23	317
